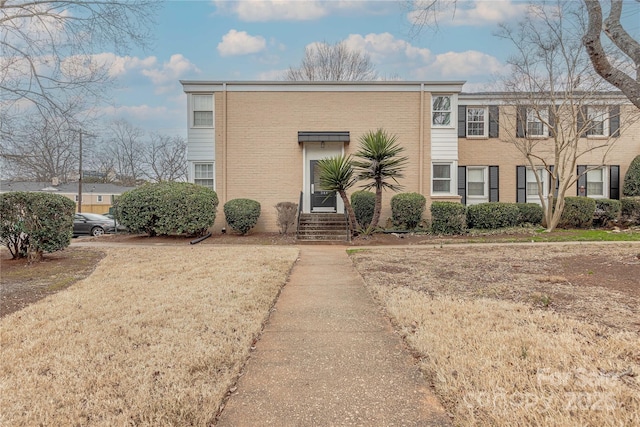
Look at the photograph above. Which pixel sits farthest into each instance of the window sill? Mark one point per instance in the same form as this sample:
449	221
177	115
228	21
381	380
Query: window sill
597	137
477	137
444	196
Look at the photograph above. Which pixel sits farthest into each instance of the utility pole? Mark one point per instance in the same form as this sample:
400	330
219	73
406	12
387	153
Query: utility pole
80	176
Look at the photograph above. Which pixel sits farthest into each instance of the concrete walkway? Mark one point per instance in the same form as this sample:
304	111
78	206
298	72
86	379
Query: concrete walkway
328	357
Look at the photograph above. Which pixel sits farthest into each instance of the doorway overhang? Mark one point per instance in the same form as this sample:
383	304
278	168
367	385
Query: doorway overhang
330	136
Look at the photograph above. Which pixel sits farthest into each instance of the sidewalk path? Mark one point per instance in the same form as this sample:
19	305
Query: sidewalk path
328	357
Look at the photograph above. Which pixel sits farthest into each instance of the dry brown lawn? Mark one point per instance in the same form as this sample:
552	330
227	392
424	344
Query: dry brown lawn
519	335
155	336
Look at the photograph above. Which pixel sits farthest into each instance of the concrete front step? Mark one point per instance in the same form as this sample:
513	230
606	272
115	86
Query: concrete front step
322	227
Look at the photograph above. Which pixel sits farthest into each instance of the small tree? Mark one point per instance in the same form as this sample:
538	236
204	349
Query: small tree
631	186
336	174
332	62
242	214
379	162
287	213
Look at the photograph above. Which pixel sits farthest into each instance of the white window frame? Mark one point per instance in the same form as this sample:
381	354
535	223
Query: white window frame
440	112
199	179
99	198
544	178
598	112
451	179
532	117
194	110
485	122
605	183
475	199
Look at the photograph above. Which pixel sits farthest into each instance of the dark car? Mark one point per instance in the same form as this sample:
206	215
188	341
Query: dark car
94	224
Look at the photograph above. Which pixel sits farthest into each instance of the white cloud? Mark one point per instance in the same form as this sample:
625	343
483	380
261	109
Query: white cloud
473	13
271	75
383	47
275	10
170	71
240	43
460	65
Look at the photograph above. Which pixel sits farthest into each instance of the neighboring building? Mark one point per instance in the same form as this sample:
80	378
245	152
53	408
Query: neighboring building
262	140
96	197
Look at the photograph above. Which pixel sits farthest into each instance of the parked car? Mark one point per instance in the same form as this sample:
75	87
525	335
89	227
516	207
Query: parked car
94	225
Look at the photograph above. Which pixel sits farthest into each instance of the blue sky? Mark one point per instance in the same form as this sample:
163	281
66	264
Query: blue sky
260	39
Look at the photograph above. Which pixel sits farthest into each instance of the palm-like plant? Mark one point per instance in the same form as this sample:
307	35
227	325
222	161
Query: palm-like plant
336	174
381	164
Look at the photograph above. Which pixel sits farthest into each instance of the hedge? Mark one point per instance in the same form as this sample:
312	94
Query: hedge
630	210
242	214
168	208
578	212
530	213
607	210
363	203
32	224
492	215
407	209
448	218
631	187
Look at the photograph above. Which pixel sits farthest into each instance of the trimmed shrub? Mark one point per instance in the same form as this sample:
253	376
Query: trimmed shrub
630	210
607	210
287	213
631	187
448	218
578	212
242	214
32	224
407	209
530	213
363	203
168	208
492	215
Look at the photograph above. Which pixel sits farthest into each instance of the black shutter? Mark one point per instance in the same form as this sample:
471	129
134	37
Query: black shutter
462	184
614	182
553	127
582	180
581	120
521	184
521	121
494	121
614	121
494	184
462	121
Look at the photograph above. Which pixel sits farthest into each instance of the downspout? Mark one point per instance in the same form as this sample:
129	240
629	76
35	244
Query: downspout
224	145
421	148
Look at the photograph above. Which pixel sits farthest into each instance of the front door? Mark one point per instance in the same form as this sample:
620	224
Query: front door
321	200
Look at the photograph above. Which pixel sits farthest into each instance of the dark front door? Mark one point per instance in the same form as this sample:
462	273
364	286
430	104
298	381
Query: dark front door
321	200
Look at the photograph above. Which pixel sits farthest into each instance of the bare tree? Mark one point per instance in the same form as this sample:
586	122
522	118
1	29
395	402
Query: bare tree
47	50
332	62
126	148
557	102
615	32
166	158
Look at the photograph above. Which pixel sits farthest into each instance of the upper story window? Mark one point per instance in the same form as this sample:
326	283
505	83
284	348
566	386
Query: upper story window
202	110
203	174
476	121
598	118
441	112
536	122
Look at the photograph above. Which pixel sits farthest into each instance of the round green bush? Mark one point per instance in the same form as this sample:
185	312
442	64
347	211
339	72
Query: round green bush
578	212
363	203
168	208
32	224
448	218
530	213
630	210
607	210
631	187
492	215
407	209
242	214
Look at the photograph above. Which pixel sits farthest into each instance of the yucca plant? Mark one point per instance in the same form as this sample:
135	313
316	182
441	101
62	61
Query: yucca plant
379	162
336	174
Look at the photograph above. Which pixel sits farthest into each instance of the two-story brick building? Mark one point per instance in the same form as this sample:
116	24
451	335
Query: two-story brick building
262	140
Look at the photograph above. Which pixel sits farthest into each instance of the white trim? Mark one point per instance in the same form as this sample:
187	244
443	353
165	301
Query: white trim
453	184
485	133
472	200
195	86
605	183
192	172
544	177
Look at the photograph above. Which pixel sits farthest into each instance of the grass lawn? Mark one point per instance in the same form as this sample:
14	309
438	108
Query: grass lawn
155	336
516	335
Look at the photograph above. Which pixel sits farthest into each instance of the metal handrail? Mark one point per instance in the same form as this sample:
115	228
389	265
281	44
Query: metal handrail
299	214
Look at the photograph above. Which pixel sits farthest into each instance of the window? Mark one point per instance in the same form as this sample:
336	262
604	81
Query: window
442	178
76	198
476	121
203	110
595	183
476	182
536	122
532	184
203	174
99	199
441	111
598	118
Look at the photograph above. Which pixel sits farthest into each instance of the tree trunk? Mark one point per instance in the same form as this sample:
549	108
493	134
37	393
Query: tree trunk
377	208
353	222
